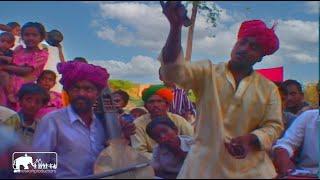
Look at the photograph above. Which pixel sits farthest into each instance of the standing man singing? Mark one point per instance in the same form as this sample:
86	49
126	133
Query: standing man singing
239	110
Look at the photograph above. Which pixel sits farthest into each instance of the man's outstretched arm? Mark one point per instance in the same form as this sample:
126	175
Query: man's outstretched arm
174	12
173	66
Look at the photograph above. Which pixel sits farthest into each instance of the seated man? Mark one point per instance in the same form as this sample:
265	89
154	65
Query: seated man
304	134
157	100
181	104
287	117
294	97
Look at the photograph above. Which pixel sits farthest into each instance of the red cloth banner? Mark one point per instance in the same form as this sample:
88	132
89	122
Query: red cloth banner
273	74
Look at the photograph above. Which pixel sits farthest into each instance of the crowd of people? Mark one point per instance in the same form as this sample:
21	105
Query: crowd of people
242	125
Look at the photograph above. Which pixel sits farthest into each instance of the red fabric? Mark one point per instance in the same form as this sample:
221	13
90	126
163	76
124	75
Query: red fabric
166	94
264	36
273	74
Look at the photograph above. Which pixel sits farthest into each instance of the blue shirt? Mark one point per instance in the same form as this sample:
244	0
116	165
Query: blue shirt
77	146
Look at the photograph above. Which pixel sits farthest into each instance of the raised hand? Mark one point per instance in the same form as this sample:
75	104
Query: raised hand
128	128
176	13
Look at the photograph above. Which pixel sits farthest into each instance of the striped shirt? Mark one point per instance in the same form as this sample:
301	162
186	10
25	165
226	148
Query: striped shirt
181	103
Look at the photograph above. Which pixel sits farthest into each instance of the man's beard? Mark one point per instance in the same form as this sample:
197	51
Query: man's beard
239	66
79	109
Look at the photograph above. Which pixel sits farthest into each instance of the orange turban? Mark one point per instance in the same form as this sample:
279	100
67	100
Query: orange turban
159	90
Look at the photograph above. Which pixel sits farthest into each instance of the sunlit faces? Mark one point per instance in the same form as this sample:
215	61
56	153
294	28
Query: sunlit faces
31	104
157	106
6	42
47	81
31	37
293	98
245	53
165	135
118	101
83	95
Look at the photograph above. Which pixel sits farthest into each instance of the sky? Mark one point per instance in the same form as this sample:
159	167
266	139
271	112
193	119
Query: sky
126	37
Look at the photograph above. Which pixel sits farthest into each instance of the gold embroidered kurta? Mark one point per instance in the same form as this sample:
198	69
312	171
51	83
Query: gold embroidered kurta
226	112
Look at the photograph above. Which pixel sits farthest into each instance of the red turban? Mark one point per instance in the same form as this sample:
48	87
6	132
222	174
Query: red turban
73	71
265	37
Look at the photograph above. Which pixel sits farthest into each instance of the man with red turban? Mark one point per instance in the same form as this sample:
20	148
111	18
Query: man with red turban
74	132
239	109
157	100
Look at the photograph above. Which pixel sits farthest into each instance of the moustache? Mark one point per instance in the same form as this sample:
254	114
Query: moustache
155	109
81	98
87	102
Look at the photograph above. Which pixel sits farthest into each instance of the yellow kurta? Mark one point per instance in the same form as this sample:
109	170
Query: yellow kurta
225	112
14	122
143	143
6	113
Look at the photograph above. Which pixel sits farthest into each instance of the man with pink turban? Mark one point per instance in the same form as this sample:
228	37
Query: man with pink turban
74	71
239	110
74	132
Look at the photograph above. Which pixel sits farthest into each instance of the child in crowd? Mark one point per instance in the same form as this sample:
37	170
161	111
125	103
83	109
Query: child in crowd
6	42
32	98
56	55
47	80
120	99
16	31
172	149
137	112
29	61
14	28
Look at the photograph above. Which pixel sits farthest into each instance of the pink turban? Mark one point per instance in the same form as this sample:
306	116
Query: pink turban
265	36
73	71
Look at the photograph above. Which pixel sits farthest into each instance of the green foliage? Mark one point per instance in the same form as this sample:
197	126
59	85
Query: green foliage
136	102
211	11
208	9
191	96
311	94
121	84
130	88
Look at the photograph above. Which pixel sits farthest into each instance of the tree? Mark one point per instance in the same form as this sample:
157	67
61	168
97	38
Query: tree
311	94
121	84
207	8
